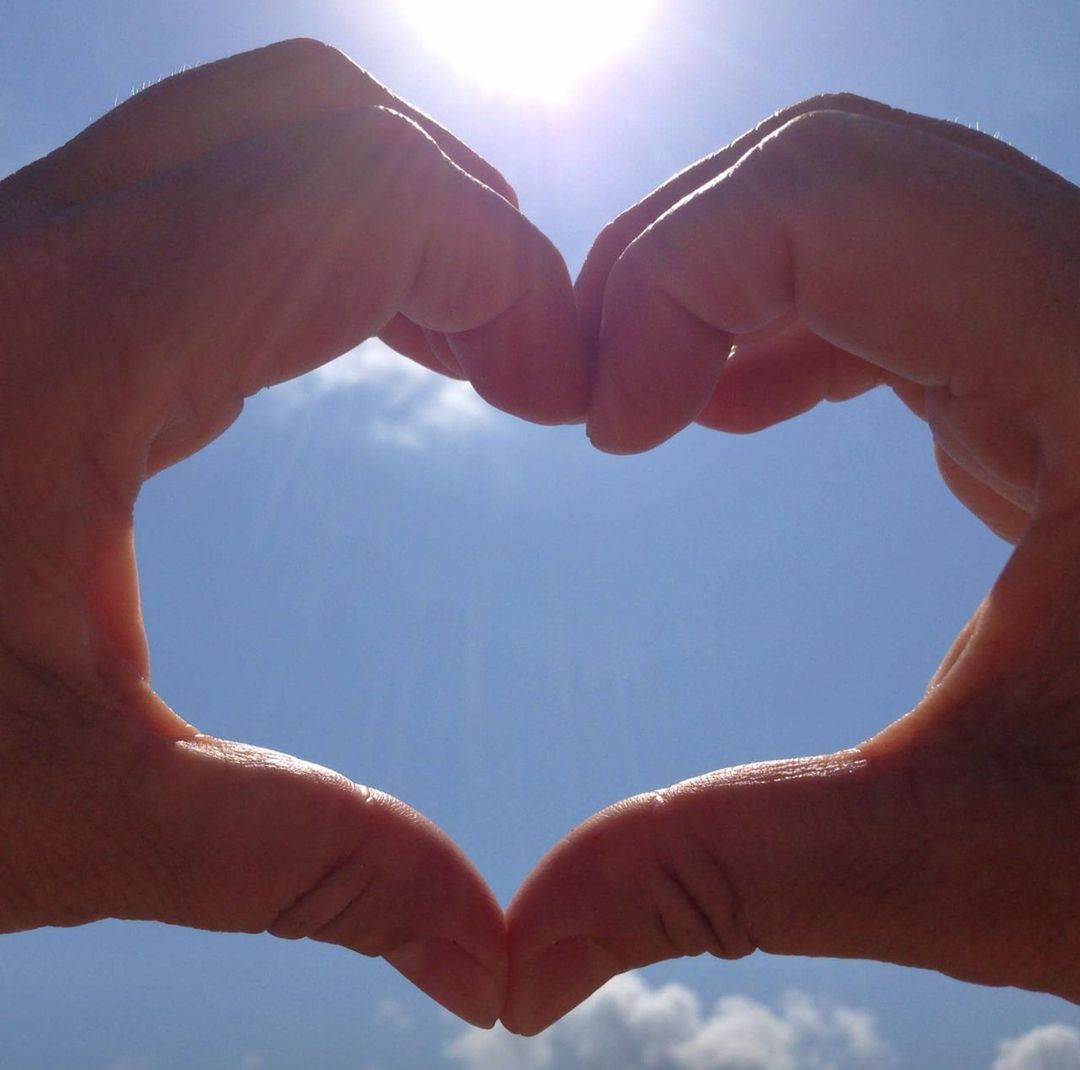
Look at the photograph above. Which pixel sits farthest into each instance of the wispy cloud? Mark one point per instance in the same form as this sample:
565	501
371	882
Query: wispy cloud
407	405
390	1013
634	1026
1050	1047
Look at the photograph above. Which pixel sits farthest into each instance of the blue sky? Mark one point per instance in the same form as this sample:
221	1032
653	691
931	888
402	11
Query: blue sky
508	630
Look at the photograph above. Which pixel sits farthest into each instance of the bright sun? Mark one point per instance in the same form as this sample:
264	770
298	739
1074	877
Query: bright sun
533	48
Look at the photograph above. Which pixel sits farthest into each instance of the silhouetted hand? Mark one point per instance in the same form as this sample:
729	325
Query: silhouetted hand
230	228
842	245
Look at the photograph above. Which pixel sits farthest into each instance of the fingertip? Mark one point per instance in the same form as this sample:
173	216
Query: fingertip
528	360
611	437
590	284
457	951
442	352
456	977
553	983
657	364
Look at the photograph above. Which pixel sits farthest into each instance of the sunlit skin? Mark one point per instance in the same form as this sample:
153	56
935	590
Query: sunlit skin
842	245
539	50
139	312
839	246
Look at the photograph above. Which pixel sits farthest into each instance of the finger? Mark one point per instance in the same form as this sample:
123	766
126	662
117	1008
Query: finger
924	259
853	855
199	832
1000	515
1006	518
428	348
788	372
235	99
264	259
615	238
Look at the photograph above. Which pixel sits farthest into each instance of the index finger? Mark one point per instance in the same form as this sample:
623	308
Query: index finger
617	235
234	99
923	258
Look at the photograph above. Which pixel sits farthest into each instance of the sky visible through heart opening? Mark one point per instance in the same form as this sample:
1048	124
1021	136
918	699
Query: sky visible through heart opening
508	630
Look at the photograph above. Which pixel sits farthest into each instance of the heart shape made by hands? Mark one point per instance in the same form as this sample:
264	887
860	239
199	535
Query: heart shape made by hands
244	222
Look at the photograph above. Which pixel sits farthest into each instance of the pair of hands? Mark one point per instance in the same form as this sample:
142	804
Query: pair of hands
242	223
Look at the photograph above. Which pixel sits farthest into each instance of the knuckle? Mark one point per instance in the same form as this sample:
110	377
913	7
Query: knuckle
393	130
382	138
613	240
316	66
377	149
817	153
697	903
311	56
820	128
302	51
839	100
343	896
649	262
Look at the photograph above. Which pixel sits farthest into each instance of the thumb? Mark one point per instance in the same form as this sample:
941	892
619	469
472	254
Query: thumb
945	842
965	867
294	849
125	822
746	858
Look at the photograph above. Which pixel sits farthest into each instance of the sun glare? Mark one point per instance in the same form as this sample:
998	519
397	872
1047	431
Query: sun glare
532	48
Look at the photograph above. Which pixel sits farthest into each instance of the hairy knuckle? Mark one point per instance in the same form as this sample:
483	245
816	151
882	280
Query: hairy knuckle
812	160
841	100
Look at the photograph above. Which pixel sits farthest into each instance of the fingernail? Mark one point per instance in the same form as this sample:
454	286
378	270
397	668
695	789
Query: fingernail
440	346
453	977
553	984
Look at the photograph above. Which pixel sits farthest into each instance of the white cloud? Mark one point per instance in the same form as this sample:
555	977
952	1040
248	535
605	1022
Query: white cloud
393	1015
498	1050
413	406
634	1026
1051	1047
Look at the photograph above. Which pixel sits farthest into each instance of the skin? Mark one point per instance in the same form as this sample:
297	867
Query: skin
244	222
230	228
839	246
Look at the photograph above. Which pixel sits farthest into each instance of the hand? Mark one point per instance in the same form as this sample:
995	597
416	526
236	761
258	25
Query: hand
839	246
229	228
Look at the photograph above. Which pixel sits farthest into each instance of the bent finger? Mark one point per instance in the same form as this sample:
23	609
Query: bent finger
234	99
924	259
767	380
617	235
1003	517
264	259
